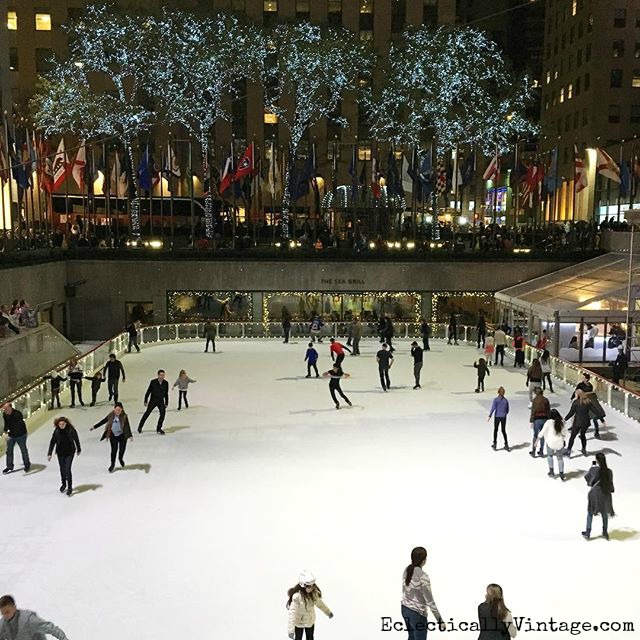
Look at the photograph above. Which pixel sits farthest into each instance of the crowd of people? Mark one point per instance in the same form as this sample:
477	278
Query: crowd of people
16	316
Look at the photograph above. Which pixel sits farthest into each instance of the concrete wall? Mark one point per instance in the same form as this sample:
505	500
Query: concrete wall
98	310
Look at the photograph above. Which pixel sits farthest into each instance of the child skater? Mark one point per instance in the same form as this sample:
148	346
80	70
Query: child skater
483	370
336	373
96	381
302	603
183	383
489	348
311	358
56	381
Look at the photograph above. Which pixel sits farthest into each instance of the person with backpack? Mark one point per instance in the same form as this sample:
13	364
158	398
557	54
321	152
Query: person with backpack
554	435
311	358
600	499
499	411
495	620
303	600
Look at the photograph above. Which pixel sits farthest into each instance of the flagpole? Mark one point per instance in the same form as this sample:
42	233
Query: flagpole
171	190
414	207
106	191
66	183
555	199
162	160
620	185
517	197
233	195
150	177
272	191
495	194
575	183
10	174
37	155
31	187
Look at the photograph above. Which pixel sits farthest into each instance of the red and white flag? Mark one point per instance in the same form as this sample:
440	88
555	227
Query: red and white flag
375	178
493	170
245	164
60	166
79	164
606	166
580	177
4	161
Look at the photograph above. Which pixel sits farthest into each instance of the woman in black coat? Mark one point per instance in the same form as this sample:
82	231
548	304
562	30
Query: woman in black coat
496	621
582	410
66	443
600	501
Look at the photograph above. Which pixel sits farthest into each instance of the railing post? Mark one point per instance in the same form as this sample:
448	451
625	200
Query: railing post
626	404
242	325
609	389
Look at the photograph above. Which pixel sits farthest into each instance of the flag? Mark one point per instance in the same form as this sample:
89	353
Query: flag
492	172
274	182
45	166
635	175
60	166
171	169
246	164
144	171
457	174
518	174
394	183
353	172
580	176
606	166
441	177
119	179
551	178
407	180
625	179
375	178
468	169
528	185
4	161
227	173
79	164
425	174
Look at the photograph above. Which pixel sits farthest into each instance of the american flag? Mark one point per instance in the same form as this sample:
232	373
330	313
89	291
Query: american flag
441	177
492	172
580	177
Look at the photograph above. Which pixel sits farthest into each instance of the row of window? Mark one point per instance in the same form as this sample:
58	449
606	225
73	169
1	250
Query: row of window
617	77
618	49
568	92
575	120
615	114
619	17
578	62
44	58
42	20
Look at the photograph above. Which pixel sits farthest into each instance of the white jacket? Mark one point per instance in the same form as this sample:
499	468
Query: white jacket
500	338
551	438
302	612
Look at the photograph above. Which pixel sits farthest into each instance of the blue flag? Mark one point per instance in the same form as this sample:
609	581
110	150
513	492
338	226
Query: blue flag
551	179
425	173
468	169
394	184
144	171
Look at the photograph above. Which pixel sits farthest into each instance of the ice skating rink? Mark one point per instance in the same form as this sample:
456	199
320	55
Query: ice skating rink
202	533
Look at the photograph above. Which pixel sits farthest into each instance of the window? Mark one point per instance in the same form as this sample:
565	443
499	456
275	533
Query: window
44	58
398	14
303	8
562	95
546	103
587	53
13	59
270	6
580	30
364	151
620	18
616	79
570	61
574	7
366	6
635	81
587	81
334	15
585	117
239	5
637	23
548	77
636	51
564	41
570	91
578	83
614	114
635	114
43	21
12	20
270	118
430	12
270	13
572	35
576	119
579	58
618	48
567	123
590	23
555	74
366	18
555	47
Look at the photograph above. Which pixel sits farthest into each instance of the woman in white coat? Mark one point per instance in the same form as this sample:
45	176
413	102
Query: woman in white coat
554	435
302	603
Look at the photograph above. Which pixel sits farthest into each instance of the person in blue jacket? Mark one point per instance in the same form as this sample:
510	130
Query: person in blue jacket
499	411
311	358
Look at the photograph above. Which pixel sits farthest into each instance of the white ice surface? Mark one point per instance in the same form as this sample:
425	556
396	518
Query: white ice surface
261	477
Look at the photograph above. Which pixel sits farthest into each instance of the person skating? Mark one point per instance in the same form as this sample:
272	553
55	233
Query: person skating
584	385
336	374
545	366
554	434
483	370
132	330
96	382
210	334
66	443
112	371
489	348
582	410
337	349
499	411
382	325
311	358
417	355
118	432
356	335
495	620
156	396
183	381
75	375
425	332
384	358
286	329
389	332
518	347
22	624
619	367
542	342
534	378
15	433
540	410
316	328
500	338
593	398
600	499
453	329
302	603
56	383
417	597
481	327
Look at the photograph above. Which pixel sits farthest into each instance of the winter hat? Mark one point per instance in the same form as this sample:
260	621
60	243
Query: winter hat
306	579
414	344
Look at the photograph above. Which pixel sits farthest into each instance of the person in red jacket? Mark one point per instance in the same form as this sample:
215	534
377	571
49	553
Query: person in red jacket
337	351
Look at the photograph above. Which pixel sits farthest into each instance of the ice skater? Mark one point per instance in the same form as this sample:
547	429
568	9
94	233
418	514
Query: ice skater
483	370
540	410
417	598
417	354
316	328
489	348
66	443
56	383
132	330
156	396
15	433
286	329
337	349
96	382
384	358
112	371
75	375
600	499
545	366
481	327
425	332
453	329
210	334
336	374
311	358
183	381
495	620
356	336
518	347
22	624
593	398
500	338
118	432
582	409
584	385
553	434
499	411
534	378
302	603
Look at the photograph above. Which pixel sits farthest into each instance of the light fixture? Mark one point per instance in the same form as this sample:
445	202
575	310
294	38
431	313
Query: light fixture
411	245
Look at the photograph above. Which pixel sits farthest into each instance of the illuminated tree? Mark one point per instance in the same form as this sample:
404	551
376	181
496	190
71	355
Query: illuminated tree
309	70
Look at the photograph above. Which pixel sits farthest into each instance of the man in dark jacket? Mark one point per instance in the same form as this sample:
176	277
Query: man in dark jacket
620	366
15	432
132	330
482	330
111	372
157	395
20	624
425	331
210	336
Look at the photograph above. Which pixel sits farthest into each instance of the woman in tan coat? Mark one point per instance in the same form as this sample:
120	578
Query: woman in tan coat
118	432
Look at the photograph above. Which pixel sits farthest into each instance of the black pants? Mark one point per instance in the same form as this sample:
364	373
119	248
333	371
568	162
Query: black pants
118	446
481	336
182	395
389	341
417	368
582	431
94	394
150	407
213	343
336	387
453	334
308	631
425	343
384	377
356	346
133	342
497	422
65	463
55	398
481	383
499	352
314	366
112	386
286	333
76	386
340	359
546	377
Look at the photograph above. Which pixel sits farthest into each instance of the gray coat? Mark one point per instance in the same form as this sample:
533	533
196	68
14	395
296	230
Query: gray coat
31	627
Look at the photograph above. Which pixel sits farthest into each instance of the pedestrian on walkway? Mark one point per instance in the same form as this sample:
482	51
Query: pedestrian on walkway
483	370
112	371
495	620
302	603
425	332
356	335
96	382
156	396
75	375
534	378
553	434
337	349
132	330
600	499
545	366
336	374
183	381
22	624
384	358
15	433
118	432
210	334
417	354
311	358
56	383
499	411
66	443
540	410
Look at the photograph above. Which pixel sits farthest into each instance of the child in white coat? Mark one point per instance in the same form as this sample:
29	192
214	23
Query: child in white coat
303	599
